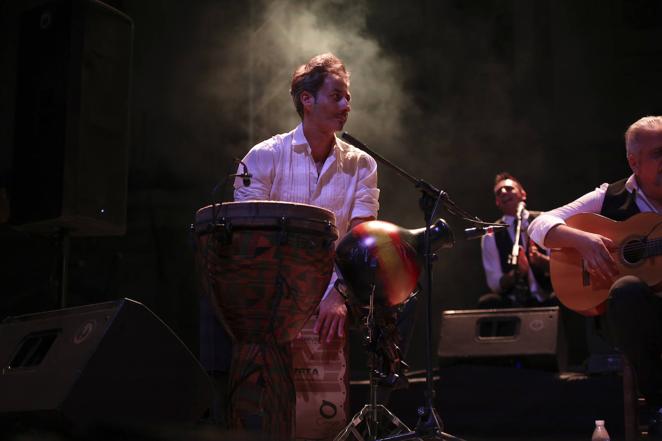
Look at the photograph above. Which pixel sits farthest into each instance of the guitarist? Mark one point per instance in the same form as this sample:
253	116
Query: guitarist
634	312
527	283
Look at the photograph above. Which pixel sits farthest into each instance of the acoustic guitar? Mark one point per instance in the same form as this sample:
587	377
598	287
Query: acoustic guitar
638	253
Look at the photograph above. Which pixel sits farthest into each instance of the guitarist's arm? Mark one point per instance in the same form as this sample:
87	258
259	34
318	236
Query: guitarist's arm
497	280
594	248
537	259
550	230
509	280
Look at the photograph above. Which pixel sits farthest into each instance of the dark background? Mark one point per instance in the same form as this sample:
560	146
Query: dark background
452	91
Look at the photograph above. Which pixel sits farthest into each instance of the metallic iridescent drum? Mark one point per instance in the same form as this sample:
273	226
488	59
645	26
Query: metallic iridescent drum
267	266
387	256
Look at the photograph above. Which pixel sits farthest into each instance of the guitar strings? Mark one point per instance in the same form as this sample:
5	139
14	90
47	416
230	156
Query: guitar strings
647	247
652	229
644	243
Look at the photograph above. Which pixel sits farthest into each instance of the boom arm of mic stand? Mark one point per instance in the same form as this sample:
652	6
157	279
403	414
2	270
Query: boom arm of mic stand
428	189
430	192
349	138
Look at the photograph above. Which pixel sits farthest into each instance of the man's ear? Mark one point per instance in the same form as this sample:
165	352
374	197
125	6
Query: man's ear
632	161
307	100
523	195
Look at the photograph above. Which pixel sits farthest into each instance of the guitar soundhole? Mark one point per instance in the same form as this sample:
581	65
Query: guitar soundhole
634	251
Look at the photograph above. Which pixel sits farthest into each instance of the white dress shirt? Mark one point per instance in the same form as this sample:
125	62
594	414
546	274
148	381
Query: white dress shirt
589	203
492	259
283	169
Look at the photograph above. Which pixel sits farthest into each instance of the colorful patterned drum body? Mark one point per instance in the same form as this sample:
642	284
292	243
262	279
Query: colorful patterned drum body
268	265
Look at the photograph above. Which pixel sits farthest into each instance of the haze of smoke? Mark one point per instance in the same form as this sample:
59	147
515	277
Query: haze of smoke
279	36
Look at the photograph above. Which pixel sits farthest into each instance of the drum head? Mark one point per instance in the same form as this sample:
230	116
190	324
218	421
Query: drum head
265	215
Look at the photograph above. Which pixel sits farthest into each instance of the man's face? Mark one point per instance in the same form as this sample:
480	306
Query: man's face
647	164
508	194
328	111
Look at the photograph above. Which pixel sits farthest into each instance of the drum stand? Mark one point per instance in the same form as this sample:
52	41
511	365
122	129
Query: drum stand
373	420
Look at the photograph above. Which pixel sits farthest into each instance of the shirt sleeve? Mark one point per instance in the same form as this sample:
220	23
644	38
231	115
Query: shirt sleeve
589	203
491	262
330	287
366	198
261	163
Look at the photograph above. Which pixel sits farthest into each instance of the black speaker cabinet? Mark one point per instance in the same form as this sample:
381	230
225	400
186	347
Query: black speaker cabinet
71	121
532	335
113	363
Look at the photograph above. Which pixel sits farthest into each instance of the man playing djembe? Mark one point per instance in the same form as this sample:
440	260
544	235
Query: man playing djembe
310	165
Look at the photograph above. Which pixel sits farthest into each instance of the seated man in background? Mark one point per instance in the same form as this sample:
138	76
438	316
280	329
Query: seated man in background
634	309
526	284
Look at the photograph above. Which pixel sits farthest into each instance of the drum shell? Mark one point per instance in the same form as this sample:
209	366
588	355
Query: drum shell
266	265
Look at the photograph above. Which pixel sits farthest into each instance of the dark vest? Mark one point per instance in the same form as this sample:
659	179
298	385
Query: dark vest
505	245
619	204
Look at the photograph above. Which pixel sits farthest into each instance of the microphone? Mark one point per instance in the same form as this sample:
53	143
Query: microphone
476	232
245	176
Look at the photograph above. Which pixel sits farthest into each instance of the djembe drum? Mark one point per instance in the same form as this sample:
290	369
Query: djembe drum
267	265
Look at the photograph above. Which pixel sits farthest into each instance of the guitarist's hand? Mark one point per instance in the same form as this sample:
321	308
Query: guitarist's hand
538	259
522	261
595	249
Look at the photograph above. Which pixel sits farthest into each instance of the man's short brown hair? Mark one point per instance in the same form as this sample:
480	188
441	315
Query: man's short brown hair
310	77
502	176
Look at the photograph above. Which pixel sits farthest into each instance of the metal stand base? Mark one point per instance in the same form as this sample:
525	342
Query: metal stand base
372	423
429	427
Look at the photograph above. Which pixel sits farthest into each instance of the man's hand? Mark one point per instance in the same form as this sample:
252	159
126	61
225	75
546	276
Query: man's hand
594	248
536	258
522	262
332	310
332	316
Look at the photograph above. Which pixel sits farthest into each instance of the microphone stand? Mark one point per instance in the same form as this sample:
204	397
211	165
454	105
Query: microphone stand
514	254
429	423
521	286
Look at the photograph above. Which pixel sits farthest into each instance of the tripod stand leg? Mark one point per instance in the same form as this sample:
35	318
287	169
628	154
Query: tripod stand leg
373	421
363	427
428	427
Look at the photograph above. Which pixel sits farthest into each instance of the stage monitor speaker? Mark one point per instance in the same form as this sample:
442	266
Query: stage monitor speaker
71	122
112	364
533	336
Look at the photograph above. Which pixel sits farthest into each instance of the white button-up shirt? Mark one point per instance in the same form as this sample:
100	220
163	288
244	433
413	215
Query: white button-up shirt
492	259
283	169
589	203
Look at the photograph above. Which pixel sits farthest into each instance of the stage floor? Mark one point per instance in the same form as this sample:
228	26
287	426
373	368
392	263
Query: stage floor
475	403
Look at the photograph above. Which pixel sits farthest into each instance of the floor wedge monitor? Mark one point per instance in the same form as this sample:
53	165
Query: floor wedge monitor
530	336
110	364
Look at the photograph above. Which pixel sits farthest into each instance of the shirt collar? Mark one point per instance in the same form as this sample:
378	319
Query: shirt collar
300	143
299	139
631	184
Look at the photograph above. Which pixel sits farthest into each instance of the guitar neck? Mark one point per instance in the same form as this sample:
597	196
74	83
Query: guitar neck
638	250
654	247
